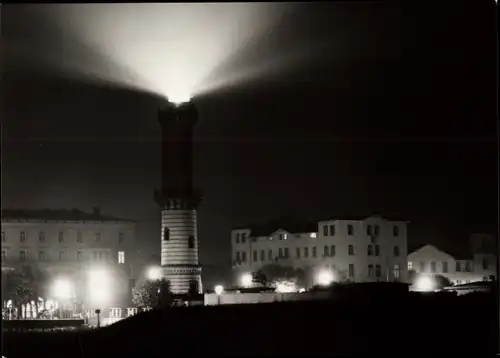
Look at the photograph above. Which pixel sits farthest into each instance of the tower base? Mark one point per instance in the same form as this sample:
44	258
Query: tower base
183	280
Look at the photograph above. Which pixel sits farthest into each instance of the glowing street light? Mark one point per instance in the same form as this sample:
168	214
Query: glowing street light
154	273
246	280
286	287
325	278
62	289
99	285
425	284
219	289
179	98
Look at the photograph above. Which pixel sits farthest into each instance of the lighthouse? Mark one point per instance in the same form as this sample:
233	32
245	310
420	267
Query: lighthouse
178	200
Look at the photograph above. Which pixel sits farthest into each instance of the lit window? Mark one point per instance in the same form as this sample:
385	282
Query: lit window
121	237
332	230
79	237
166	234
332	250
314	251
351	250
396	272
98	237
350	230
445	267
191	242
306	252
297	254
325	230
396	251
121	257
410	265
115	312
23	236
61	236
22	255
285	236
41	236
395	231
312	235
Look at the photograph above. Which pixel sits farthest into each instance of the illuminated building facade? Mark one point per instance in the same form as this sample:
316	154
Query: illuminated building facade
178	200
364	250
70	248
477	264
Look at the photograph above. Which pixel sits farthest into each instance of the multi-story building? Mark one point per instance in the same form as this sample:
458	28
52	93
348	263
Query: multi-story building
477	264
364	250
88	255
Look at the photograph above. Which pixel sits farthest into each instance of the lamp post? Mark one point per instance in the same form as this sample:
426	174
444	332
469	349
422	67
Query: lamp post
218	290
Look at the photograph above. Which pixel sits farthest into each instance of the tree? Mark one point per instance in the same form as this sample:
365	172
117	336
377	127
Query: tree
152	294
442	281
274	273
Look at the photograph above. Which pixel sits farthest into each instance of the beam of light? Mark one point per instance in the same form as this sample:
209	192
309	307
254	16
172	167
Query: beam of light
325	278
177	51
246	280
154	273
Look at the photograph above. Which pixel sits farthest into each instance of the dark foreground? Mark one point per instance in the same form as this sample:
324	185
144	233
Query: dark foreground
412	323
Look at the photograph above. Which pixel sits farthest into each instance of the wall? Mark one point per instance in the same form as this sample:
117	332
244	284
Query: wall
212	299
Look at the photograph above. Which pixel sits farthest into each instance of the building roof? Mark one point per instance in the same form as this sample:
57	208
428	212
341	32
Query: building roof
351	217
288	224
457	252
57	215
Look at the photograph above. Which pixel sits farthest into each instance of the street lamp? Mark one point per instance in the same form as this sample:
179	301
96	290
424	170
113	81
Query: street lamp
154	273
218	290
246	280
62	289
425	284
325	278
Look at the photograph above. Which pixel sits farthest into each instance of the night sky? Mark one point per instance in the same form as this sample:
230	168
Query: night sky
394	113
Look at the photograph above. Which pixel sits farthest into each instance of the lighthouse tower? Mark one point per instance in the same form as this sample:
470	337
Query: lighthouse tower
178	200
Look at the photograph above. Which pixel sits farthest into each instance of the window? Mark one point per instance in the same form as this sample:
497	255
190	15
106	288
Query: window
325	230
41	236
332	250
191	242
193	287
351	270
433	267
79	237
422	266
115	312
395	231
370	250
306	252
397	272
378	271
41	256
243	237
244	256
396	251
370	270
255	256
280	252
79	255
350	230
410	265
270	255
121	257
237	237
238	258
166	234
351	250
121	237
485	263
369	230
262	255
4	255
445	267
22	255
314	251
377	250
285	237
376	230
61	236
3	236
286	253
457	266
325	251
467	266
313	235
332	230
23	236
62	255
281	236
98	237
297	253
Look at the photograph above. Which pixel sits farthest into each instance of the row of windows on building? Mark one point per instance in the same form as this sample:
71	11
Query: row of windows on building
444	267
328	251
190	241
62	256
79	237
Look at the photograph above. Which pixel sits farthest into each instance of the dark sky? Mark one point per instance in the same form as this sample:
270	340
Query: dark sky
397	117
